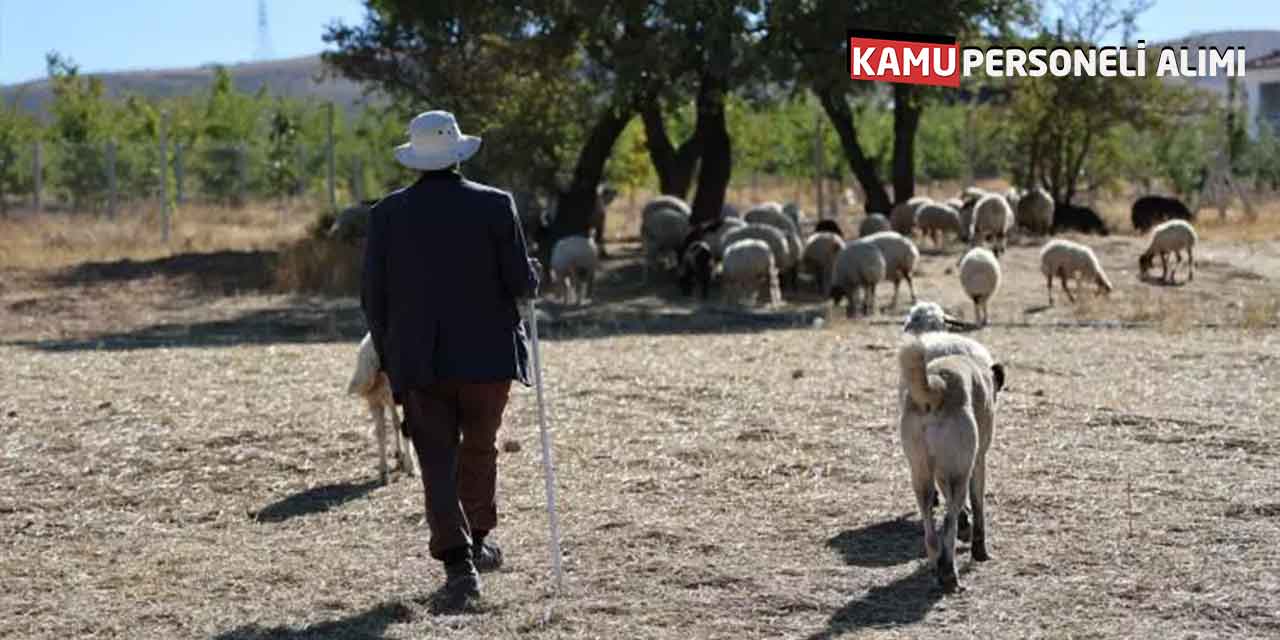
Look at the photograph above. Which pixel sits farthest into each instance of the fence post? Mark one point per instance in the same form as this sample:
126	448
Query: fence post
329	158
179	195
37	174
111	179
164	177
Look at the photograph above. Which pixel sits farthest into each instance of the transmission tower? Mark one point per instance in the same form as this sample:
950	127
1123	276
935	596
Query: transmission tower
264	51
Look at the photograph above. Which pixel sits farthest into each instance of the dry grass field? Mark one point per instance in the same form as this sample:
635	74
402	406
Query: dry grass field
179	461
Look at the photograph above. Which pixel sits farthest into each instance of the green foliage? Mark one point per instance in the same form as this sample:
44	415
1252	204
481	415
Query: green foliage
81	125
17	132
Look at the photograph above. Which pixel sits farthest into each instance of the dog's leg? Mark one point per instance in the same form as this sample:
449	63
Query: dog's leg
380	427
404	449
978	503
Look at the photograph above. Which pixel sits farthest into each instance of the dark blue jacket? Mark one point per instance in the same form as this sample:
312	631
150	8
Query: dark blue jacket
445	265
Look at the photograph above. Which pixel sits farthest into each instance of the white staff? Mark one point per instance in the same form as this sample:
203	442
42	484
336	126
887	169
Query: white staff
548	466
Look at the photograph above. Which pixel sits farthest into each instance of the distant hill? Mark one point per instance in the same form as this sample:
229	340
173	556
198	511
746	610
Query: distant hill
292	77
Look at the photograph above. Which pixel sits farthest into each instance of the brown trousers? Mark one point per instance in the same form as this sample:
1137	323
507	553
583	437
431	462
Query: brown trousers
454	428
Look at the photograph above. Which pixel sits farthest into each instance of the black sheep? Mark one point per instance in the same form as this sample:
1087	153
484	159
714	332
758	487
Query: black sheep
1149	211
696	264
1069	217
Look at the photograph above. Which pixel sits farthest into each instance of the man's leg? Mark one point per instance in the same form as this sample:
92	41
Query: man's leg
432	415
480	407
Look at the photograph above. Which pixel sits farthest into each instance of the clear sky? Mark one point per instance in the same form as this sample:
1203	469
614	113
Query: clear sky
108	35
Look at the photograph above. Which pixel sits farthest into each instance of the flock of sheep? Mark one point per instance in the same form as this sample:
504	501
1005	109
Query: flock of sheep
760	252
948	385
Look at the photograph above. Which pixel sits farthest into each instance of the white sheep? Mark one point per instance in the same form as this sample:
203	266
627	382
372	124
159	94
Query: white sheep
858	268
1065	258
1034	211
664	202
573	268
663	230
786	254
717	237
935	220
772	214
819	254
900	257
747	268
980	277
873	223
1174	236
902	217
371	382
946	419
992	219
793	213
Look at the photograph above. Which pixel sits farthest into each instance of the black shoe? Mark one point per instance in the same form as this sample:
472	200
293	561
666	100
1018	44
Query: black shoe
461	590
487	556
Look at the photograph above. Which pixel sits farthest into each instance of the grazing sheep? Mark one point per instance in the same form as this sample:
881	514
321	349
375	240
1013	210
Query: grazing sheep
935	220
980	277
954	203
748	266
1068	217
873	223
1034	212
665	202
973	194
829	225
900	258
779	242
716	237
819	254
1149	211
792	211
992	219
1065	258
902	218
352	223
946	419
772	214
1174	237
1013	196
859	267
370	382
573	268
662	230
696	264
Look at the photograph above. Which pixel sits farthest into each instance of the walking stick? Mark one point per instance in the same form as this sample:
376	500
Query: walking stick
548	465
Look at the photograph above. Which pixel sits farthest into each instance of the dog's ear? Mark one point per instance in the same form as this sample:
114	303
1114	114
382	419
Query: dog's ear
997	373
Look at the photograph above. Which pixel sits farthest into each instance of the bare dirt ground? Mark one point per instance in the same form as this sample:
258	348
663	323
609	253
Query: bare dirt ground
179	462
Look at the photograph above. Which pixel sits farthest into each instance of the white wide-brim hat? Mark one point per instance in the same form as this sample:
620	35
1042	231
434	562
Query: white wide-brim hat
435	142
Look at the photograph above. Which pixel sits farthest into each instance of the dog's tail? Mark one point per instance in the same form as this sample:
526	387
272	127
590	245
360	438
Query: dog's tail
925	391
367	367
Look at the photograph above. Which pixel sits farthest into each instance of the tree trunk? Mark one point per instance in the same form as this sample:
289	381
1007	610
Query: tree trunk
717	160
674	166
864	170
906	119
575	206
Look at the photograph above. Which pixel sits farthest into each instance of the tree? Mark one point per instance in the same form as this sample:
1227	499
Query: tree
1065	127
807	39
17	131
81	125
231	120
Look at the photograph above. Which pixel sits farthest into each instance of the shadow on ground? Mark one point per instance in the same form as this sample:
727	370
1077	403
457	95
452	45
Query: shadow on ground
223	271
369	624
904	601
315	500
883	544
306	321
